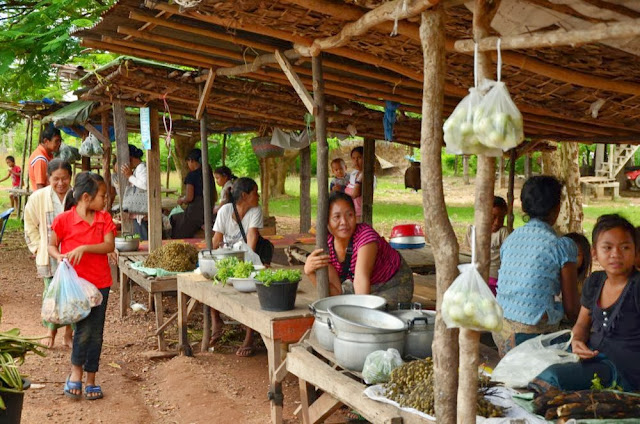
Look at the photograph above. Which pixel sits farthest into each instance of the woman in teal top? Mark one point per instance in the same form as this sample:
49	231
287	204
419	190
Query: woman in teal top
536	266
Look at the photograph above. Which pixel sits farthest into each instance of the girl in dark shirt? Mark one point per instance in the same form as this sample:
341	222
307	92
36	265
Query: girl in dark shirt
606	335
185	225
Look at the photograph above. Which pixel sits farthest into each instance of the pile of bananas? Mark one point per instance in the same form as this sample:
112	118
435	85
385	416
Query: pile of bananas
174	256
411	385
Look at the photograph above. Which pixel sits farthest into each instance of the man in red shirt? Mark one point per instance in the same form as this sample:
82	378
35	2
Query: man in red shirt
39	159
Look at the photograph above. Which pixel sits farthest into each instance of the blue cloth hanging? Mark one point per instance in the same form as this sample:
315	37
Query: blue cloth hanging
389	118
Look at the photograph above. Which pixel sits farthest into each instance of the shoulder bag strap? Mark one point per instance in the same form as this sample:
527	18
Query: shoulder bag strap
345	270
235	210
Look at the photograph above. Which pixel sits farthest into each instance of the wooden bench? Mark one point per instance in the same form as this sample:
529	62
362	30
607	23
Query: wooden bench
595	186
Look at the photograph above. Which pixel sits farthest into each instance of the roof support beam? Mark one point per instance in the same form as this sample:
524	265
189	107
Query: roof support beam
390	11
296	82
205	94
93	130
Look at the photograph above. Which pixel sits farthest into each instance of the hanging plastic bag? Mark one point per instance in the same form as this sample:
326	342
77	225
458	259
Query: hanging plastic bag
69	153
497	122
524	362
379	364
69	298
91	146
468	302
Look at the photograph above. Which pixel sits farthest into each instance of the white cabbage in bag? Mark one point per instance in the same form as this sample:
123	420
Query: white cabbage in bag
497	122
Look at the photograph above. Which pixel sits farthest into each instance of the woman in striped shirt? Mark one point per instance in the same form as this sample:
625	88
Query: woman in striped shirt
361	261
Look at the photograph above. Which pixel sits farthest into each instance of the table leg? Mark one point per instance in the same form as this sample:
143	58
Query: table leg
124	294
159	320
306	392
275	388
206	328
183	337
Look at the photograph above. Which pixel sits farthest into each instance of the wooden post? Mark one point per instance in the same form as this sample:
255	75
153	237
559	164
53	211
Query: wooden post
122	153
208	224
30	139
512	179
465	169
25	155
437	224
368	179
266	164
224	149
106	156
322	174
154	186
305	189
469	340
501	172
86	164
527	166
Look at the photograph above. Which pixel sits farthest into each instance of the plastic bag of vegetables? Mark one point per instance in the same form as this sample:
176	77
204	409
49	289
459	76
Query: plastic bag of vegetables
69	153
91	146
379	364
69	298
497	122
458	128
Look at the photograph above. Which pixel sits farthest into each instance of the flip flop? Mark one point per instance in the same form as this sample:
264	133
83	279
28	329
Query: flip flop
72	385
93	392
217	335
245	352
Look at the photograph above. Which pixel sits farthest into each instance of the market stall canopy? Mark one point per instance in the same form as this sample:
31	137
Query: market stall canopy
33	108
584	93
73	114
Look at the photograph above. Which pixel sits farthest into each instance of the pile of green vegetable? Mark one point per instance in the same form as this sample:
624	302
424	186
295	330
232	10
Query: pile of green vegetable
268	276
174	256
232	268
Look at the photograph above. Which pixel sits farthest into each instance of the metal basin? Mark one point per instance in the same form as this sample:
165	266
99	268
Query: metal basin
127	243
223	252
351	349
357	319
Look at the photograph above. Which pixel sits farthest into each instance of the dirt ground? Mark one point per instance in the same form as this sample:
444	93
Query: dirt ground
216	387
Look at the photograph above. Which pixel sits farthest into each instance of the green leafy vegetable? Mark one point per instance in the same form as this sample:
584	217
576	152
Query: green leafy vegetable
232	268
596	384
268	276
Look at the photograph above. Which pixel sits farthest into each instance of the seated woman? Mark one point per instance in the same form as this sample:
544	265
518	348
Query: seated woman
187	224
361	261
224	178
536	265
606	336
245	198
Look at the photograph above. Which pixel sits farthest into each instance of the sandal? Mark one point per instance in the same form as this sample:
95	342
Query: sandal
72	385
93	392
216	336
245	352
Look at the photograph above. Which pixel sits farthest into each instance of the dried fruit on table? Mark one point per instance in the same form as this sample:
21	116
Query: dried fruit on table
587	404
174	256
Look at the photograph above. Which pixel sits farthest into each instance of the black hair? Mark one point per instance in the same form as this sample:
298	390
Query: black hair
49	132
225	172
11	158
242	185
499	202
195	155
611	221
86	182
58	163
358	149
540	196
134	152
583	245
339	161
338	195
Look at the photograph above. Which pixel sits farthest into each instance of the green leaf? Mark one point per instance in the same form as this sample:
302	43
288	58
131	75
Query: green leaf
82	22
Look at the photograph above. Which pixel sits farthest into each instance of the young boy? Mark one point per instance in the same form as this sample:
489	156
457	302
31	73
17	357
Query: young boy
14	173
498	234
340	179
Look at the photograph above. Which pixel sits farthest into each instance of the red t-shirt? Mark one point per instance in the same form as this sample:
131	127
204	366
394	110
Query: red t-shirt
73	231
15	179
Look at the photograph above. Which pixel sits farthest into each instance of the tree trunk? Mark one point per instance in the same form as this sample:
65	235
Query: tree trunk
280	171
183	145
465	169
564	165
437	224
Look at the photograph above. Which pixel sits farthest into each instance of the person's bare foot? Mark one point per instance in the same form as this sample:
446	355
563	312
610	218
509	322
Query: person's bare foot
50	339
68	337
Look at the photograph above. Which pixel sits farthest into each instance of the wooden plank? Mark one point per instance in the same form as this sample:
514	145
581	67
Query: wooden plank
274	353
322	408
306	399
296	82
93	130
154	184
122	153
124	293
369	161
204	96
190	306
183	335
288	331
305	189
159	319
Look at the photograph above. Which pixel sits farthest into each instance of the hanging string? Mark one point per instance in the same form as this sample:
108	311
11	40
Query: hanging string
401	7
499	60
475	64
473	245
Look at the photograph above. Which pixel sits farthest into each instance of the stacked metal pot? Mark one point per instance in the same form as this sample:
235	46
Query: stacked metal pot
353	326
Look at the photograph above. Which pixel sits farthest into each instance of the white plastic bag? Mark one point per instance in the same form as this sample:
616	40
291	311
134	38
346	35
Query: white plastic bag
468	302
91	146
69	298
379	364
524	362
458	128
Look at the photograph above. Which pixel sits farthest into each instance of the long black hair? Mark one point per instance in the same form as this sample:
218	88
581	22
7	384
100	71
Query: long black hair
242	185
86	182
225	171
135	152
583	246
58	163
339	195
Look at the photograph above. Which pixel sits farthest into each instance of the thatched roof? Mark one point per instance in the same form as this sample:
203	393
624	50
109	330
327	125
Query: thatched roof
555	88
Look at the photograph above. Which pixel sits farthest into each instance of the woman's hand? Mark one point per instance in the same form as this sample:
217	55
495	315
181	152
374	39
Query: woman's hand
126	171
316	260
581	349
75	255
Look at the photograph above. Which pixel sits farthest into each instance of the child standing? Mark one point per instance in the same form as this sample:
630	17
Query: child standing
85	235
340	179
606	335
14	173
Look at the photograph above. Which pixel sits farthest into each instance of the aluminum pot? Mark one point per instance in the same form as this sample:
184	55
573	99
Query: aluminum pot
221	253
357	319
127	243
207	266
351	349
420	335
319	310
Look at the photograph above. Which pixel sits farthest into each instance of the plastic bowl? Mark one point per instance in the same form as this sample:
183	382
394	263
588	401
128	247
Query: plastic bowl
245	285
407	230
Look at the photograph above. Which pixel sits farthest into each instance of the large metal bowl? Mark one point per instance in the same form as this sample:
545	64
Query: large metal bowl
221	253
127	243
320	307
357	319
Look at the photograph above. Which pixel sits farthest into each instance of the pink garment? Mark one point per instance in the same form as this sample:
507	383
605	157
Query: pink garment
357	201
493	285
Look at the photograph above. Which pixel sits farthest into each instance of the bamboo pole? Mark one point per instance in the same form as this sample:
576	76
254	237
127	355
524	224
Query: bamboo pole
560	37
322	173
224	149
208	224
513	156
305	189
437	224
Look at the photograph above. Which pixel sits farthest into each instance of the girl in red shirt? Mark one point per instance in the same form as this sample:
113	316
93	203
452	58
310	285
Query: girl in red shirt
84	235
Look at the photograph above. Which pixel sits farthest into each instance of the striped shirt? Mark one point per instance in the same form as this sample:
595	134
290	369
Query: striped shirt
529	277
387	262
38	162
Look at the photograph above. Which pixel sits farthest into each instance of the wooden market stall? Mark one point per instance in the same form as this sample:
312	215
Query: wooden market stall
586	92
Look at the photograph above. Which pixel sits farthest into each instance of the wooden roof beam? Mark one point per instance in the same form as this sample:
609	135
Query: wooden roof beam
148	25
205	94
296	82
395	10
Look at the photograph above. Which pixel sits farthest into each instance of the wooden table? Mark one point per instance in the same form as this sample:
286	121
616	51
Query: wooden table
20	192
276	328
316	368
155	286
